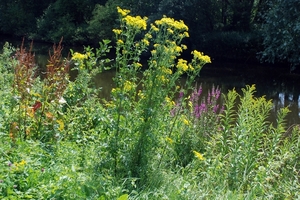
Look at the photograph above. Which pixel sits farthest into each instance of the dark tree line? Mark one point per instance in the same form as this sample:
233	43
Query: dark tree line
224	28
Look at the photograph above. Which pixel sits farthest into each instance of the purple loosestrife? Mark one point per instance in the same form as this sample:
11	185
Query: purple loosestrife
202	105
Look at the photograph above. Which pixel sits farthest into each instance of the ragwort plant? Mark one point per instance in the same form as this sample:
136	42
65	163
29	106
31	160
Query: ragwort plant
142	98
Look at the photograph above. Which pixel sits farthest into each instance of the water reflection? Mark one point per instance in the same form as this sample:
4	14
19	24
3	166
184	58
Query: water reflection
280	96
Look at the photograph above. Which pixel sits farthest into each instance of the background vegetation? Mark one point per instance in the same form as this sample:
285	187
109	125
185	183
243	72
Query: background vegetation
232	29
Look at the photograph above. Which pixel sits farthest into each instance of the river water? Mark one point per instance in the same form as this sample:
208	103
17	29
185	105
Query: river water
276	83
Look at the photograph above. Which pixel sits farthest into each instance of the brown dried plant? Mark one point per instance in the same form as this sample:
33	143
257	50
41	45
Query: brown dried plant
24	71
57	73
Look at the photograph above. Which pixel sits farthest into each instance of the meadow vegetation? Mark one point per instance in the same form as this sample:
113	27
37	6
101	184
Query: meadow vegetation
154	138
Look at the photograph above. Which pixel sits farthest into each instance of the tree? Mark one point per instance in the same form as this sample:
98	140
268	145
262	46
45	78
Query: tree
282	32
66	19
19	17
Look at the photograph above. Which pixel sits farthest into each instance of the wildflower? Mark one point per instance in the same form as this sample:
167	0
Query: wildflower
170	31
178	49
186	34
167	70
117	31
182	65
148	36
122	12
128	86
120	42
199	155
137	65
184	47
154	28
200	56
191	68
169	101
170	22
22	163
136	22
78	56
61	125
162	79
185	120
153	52
146	42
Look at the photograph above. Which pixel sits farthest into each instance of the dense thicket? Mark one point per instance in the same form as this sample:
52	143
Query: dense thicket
225	28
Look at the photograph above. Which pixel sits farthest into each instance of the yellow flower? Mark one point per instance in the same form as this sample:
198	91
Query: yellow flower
146	42
148	36
170	31
154	28
128	86
199	155
182	65
184	47
186	122
163	79
78	56
137	65
117	31
178	49
23	162
201	57
186	34
167	70
153	52
123	12
170	22
136	22
120	42
169	140
191	68
169	102
61	125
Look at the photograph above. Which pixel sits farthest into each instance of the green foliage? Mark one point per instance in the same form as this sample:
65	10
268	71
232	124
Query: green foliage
156	137
103	21
281	32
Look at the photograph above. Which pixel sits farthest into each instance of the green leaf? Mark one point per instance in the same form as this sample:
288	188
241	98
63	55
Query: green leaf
123	197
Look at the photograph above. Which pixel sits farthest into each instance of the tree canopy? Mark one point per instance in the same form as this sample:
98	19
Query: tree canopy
270	27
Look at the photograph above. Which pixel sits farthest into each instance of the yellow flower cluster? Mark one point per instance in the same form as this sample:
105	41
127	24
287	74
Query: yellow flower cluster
128	86
123	12
154	28
18	166
182	65
170	22
136	22
200	56
169	102
79	56
146	42
117	31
